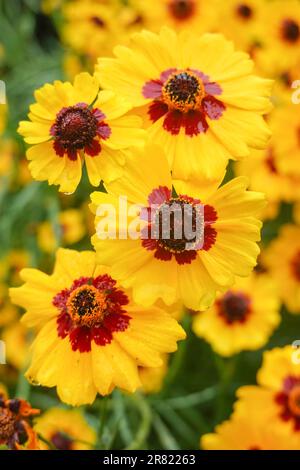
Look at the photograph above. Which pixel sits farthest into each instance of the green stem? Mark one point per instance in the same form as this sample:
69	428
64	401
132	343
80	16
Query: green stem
144	429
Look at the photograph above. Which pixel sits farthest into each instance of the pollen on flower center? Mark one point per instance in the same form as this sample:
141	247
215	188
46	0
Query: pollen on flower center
75	127
7	424
182	9
294	400
86	305
290	30
172	217
183	91
234	307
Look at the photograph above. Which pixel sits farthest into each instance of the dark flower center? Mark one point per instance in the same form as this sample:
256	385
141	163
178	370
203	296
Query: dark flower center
75	127
294	400
97	21
183	91
234	307
290	31
270	162
288	399
295	265
7	425
86	305
182	9
61	441
178	224
244	11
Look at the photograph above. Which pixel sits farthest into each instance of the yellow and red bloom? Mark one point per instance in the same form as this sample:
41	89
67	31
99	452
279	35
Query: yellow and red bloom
71	123
197	95
241	319
168	267
282	259
15	427
90	323
277	396
65	430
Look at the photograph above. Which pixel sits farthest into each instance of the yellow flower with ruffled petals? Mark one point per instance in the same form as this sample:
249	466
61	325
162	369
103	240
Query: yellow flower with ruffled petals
70	124
241	319
92	336
171	267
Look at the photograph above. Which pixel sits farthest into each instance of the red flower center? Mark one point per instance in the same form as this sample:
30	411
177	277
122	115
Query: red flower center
270	162
244	11
91	310
289	401
177	226
182	9
234	307
14	428
61	441
78	128
295	265
97	21
290	30
183	91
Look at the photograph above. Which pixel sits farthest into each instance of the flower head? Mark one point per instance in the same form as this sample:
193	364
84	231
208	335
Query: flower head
70	124
198	96
191	264
88	322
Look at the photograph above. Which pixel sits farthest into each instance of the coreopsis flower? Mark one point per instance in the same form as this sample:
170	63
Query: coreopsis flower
243	318
264	175
282	259
92	336
276	398
65	430
8	312
244	432
240	21
198	96
70	229
17	340
198	15
280	34
70	124
90	27
15	423
176	265
286	139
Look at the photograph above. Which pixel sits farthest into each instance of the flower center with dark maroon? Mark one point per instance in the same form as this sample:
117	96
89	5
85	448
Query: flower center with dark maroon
182	10
244	11
289	401
177	226
185	99
14	428
234	307
92	309
79	128
61	441
290	31
295	266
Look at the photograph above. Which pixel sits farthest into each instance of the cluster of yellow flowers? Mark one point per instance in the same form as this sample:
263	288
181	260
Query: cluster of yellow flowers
175	100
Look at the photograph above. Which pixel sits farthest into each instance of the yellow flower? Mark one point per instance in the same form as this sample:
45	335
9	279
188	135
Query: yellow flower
11	265
241	319
240	21
71	123
169	267
8	312
152	377
65	430
282	259
287	139
7	151
280	33
90	27
70	226
244	432
264	175
92	336
276	398
197	15
197	95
